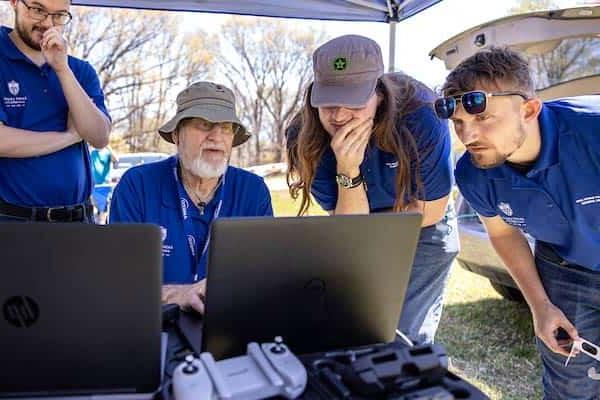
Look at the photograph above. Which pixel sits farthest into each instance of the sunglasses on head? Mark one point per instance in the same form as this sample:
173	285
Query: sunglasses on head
473	102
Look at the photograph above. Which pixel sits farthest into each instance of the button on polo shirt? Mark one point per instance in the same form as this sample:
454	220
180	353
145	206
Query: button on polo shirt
31	98
379	168
148	193
558	200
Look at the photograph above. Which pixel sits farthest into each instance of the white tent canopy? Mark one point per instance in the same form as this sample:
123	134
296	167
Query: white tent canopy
390	11
342	10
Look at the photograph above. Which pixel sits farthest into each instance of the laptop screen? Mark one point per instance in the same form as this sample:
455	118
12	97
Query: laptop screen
80	309
319	282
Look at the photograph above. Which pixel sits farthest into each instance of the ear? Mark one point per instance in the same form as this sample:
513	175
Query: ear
13	3
175	137
531	109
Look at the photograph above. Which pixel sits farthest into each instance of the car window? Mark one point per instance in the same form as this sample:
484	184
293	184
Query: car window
565	60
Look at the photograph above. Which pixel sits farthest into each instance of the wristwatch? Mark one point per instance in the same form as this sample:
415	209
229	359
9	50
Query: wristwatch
348	183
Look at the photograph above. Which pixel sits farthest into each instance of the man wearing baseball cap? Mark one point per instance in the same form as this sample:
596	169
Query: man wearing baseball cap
185	193
369	142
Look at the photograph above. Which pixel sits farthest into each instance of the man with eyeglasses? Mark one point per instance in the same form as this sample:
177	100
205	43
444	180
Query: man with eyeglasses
51	104
535	167
184	194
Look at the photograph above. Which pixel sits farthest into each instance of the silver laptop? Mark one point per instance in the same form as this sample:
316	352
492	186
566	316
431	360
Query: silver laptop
319	282
81	312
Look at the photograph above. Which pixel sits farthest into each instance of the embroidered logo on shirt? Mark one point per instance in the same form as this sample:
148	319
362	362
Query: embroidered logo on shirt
392	164
13	87
163	233
505	208
14	101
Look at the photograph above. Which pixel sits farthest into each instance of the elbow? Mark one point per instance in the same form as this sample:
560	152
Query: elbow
101	138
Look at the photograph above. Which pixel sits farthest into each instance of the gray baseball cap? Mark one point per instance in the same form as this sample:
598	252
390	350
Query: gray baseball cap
210	101
346	70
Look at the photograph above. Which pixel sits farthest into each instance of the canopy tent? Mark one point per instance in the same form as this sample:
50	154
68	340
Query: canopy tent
390	11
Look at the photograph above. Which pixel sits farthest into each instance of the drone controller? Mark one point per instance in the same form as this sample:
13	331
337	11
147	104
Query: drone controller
266	370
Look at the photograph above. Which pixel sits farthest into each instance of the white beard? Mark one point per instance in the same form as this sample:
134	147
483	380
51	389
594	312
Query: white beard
203	169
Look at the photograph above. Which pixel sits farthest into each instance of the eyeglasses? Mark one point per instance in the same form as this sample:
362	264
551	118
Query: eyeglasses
40	14
473	102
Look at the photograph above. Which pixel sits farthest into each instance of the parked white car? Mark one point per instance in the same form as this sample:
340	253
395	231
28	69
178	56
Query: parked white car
128	160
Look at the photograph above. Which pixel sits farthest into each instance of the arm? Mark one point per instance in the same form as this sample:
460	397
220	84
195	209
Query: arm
89	122
349	145
512	247
433	211
20	143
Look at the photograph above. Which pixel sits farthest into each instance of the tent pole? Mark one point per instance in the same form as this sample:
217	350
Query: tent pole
392	49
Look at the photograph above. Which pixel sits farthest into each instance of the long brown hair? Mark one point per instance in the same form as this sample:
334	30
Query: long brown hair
308	140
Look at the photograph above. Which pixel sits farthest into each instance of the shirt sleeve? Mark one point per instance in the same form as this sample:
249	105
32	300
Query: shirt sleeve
265	206
432	137
91	84
126	203
473	188
324	187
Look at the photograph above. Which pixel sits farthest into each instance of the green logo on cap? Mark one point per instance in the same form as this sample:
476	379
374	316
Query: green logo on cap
340	64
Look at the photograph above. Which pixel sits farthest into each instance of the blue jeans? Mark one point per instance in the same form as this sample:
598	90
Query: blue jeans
438	245
576	292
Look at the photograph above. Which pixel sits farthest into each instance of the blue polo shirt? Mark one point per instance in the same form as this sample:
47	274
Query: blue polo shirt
31	98
379	168
149	193
558	200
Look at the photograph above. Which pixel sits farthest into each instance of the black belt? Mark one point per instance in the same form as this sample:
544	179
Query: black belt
74	213
546	252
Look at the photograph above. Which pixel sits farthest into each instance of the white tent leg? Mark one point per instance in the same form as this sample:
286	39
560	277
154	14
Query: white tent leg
392	49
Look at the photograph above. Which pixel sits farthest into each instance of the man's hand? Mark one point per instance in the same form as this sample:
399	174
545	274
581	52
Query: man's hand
349	144
189	297
547	319
54	49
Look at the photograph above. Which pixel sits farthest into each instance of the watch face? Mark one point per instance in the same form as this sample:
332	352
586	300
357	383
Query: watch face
343	180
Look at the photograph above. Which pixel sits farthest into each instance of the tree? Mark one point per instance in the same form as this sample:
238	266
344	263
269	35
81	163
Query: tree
141	59
268	65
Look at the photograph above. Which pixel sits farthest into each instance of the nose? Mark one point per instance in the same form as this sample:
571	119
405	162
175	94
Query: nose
340	114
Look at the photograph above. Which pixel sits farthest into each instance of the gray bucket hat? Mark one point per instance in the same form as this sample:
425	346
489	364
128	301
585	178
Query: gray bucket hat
346	70
210	101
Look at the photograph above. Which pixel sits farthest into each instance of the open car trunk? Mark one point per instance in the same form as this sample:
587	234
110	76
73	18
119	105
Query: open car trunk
563	47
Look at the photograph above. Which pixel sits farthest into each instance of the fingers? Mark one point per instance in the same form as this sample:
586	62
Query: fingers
196	303
53	38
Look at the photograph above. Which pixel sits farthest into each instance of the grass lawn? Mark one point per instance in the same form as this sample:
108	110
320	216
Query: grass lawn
489	340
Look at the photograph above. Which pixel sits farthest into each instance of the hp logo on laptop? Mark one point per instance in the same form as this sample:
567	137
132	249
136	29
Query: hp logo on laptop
21	311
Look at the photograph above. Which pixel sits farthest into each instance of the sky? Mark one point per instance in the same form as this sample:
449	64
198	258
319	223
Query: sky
415	37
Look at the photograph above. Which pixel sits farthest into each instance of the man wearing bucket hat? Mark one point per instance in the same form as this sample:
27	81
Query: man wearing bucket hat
369	142
185	193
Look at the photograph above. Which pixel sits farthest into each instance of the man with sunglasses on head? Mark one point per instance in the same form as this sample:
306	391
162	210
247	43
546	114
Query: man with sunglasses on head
535	167
51	104
184	194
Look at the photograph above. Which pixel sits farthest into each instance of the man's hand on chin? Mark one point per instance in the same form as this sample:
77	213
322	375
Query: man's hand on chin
189	297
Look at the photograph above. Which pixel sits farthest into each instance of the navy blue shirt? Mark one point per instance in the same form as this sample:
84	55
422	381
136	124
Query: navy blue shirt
558	200
32	99
150	193
379	168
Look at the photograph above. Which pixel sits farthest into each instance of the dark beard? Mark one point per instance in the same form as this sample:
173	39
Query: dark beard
496	163
26	37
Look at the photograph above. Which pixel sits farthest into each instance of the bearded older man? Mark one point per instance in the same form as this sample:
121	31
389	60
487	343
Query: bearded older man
185	193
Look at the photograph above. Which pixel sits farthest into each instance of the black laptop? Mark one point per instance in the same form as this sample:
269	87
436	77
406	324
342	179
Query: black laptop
81	313
319	282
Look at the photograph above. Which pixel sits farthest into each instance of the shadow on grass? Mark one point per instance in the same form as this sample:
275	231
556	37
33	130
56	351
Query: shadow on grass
491	343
